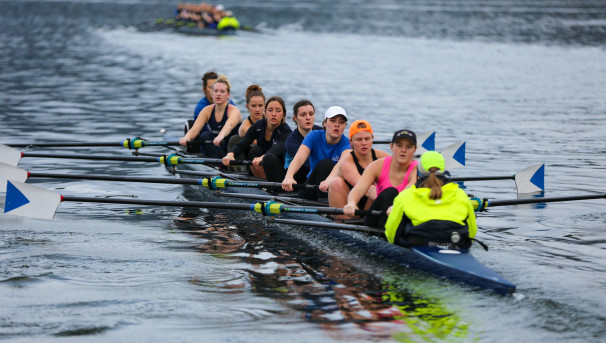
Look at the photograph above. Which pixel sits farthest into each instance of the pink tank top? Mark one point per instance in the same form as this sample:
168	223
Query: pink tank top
383	180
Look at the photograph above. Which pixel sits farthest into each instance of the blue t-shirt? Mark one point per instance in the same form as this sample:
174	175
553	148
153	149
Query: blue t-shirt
203	103
292	144
320	149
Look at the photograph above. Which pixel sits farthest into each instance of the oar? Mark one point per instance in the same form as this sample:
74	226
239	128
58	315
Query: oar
529	180
31	201
8	172
263	197
12	157
329	225
135	143
454	155
483	204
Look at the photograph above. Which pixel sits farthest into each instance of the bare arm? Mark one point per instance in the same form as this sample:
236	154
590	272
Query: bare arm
413	177
293	168
243	128
198	125
234	117
371	173
345	158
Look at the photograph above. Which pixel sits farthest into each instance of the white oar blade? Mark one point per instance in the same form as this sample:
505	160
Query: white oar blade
8	172
30	201
531	179
454	155
9	155
426	142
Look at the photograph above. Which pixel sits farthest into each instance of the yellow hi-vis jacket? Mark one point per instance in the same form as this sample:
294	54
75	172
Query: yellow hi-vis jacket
414	202
228	22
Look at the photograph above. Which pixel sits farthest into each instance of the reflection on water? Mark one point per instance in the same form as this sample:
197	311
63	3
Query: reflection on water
327	290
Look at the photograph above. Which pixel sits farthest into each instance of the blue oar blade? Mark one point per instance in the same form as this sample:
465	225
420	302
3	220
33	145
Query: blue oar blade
454	155
531	179
30	201
426	142
8	172
9	155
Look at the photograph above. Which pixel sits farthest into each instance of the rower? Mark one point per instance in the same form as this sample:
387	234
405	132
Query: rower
304	114
255	103
208	80
392	175
351	166
435	211
323	149
221	119
269	132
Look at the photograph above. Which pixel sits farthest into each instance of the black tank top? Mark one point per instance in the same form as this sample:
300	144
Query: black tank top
364	199
357	163
355	159
214	126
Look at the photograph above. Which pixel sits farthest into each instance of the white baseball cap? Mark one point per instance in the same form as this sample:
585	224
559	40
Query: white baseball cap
335	111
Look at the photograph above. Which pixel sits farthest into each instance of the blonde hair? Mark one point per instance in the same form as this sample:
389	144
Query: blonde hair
223	79
434	183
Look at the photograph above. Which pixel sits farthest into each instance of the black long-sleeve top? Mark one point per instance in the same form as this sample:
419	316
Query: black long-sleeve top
275	146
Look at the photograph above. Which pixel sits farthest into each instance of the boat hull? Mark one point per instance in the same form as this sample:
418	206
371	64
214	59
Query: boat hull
456	265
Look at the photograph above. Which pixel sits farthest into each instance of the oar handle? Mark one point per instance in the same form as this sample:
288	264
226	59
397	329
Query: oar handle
264	184
199	142
214	161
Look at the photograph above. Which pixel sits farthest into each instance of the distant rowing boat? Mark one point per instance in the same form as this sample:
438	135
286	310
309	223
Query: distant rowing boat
187	27
456	265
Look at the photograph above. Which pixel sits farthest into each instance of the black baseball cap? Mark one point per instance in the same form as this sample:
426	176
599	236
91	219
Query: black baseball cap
411	136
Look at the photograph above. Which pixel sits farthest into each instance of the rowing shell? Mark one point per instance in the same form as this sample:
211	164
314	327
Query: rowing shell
456	265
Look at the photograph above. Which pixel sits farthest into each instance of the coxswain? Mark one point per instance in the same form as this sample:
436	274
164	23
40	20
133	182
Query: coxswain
433	211
228	22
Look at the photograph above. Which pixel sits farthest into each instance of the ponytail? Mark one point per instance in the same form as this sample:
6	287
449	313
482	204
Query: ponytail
435	184
253	90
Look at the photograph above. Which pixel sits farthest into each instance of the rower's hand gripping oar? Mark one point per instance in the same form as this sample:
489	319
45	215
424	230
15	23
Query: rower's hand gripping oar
31	201
216	183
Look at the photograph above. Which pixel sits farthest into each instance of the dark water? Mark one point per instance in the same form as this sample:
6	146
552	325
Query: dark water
521	82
